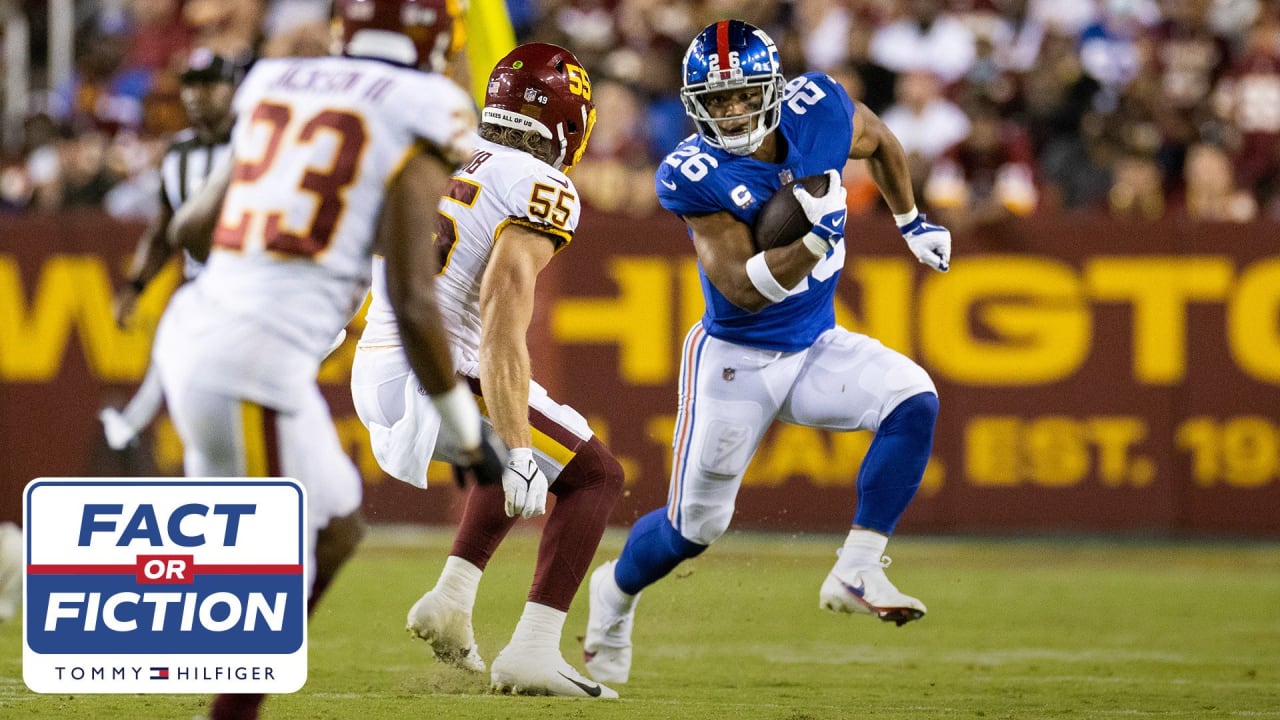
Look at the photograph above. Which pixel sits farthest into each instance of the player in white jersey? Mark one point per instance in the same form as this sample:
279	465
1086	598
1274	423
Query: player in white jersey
333	159
208	84
506	213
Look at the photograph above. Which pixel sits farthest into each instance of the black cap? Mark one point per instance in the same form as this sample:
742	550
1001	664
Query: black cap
206	66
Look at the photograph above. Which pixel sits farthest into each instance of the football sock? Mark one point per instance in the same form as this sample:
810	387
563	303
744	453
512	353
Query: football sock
539	625
895	463
586	491
619	601
238	706
483	526
862	548
145	403
335	543
459	581
654	548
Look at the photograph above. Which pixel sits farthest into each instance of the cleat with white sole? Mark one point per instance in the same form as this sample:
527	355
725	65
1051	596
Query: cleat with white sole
447	627
524	669
868	591
606	650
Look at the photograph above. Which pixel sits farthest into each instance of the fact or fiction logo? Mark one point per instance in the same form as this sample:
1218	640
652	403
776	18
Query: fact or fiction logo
165	585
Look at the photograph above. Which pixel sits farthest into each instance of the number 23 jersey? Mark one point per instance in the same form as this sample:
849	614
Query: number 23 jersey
316	143
697	178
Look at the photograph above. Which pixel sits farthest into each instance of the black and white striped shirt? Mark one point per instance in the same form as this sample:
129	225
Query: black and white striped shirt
186	165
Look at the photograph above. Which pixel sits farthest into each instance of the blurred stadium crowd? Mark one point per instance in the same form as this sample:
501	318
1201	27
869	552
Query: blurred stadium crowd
1135	108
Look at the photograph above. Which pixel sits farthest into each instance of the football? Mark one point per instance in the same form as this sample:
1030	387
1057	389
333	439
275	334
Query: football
781	221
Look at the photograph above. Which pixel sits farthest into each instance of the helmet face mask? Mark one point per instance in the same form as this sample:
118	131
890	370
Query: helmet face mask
543	88
729	56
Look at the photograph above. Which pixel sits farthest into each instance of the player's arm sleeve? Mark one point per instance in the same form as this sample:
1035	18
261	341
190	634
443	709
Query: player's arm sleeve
546	203
820	101
680	194
442	118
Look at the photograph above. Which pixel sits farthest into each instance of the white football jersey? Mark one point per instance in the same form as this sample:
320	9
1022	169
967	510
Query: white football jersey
500	186
316	143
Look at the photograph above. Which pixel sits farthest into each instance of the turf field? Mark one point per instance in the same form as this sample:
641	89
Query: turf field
1016	629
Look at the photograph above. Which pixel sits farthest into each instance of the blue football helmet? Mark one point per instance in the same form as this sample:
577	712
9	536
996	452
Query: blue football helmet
729	55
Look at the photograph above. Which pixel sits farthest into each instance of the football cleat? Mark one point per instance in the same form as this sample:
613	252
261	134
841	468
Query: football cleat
447	627
527	669
606	651
120	434
868	591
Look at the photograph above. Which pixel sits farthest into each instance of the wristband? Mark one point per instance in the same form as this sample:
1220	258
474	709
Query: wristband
763	280
459	413
907	217
816	245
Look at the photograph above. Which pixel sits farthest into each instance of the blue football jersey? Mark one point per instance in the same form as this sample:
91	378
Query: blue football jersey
699	179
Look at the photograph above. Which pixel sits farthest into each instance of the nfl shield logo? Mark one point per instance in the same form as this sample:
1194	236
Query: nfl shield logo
728	374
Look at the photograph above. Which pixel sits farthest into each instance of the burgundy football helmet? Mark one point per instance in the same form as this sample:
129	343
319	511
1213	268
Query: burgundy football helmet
544	88
417	33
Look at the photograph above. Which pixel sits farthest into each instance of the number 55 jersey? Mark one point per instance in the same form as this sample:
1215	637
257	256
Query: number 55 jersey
498	187
317	142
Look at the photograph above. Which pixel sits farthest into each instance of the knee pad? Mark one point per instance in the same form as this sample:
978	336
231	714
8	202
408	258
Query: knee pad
709	529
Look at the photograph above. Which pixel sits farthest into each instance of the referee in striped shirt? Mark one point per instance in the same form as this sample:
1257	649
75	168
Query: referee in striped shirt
208	85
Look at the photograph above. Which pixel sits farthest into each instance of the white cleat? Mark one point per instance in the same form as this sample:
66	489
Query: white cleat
118	430
448	628
523	669
868	591
606	651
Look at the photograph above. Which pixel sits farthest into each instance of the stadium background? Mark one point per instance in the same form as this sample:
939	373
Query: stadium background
1107	346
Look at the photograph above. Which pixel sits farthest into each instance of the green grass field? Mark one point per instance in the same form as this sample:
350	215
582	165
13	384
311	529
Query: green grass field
1016	629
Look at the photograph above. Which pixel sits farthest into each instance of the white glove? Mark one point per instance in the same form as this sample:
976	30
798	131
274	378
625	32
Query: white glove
524	485
931	244
826	214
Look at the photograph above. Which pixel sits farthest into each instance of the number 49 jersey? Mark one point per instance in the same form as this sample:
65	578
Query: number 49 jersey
696	178
500	186
316	143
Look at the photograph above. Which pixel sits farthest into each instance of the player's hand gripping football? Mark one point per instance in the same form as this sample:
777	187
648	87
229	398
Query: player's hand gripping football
931	244
524	485
827	213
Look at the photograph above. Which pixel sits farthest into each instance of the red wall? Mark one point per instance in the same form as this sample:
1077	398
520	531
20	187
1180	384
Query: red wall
1094	376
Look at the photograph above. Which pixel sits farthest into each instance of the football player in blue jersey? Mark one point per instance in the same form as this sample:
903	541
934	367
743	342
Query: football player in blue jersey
768	347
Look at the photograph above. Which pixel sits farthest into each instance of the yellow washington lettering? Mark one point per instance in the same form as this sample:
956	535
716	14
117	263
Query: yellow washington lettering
72	291
1252	332
638	319
888	297
1034	308
1056	451
1159	289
